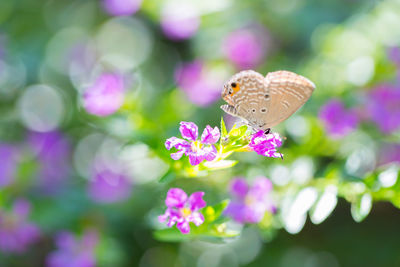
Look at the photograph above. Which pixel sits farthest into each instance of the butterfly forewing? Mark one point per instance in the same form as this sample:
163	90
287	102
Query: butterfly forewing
289	91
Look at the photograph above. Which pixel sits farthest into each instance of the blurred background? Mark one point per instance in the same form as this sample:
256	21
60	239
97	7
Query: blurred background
90	90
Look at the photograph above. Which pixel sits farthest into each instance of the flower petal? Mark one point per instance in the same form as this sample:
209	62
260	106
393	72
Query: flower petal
261	187
196	201
177	155
210	135
196	158
176	198
189	130
183	226
266	144
210	152
197	218
239	187
236	210
176	142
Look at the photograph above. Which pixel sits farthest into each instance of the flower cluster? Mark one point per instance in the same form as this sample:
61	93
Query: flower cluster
106	95
383	107
182	210
200	83
266	144
16	232
73	252
249	204
196	150
338	121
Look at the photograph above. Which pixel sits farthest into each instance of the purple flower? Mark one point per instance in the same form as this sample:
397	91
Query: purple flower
108	186
105	95
16	232
337	120
383	106
196	150
8	164
266	144
394	55
246	48
201	85
179	22
53	151
73	252
389	153
182	210
249	204
121	7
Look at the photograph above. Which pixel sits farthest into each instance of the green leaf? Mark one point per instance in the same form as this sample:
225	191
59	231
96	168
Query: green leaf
220	164
223	128
212	213
361	207
167	177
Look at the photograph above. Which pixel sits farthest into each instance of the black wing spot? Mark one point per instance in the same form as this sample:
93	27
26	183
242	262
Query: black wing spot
254	110
263	110
266	96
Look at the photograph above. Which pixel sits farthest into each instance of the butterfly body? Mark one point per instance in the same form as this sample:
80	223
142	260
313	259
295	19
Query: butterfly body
264	102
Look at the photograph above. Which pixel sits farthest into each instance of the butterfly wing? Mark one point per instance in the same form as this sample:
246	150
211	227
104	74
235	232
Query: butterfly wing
250	100
288	92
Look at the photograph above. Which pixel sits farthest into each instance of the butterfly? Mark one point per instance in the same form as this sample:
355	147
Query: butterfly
263	102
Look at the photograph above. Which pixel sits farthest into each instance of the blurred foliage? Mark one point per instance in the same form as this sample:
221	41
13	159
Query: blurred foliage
341	45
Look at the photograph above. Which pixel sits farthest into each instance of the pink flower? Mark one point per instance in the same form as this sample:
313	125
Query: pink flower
266	144
179	22
201	85
383	107
246	48
249	204
196	150
16	232
74	252
121	7
182	210
337	119
105	95
108	186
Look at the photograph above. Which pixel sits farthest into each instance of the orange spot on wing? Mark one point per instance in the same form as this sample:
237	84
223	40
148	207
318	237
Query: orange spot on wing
236	89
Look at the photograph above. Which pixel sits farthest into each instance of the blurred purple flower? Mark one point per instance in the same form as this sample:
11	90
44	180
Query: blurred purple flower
196	150
266	144
394	55
182	210
105	95
249	204
179	22
337	120
72	252
201	85
389	153
246	48
121	7
53	153
383	106
16	232
8	164
109	186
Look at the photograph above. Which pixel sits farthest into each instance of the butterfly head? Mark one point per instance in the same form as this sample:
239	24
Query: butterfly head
231	87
